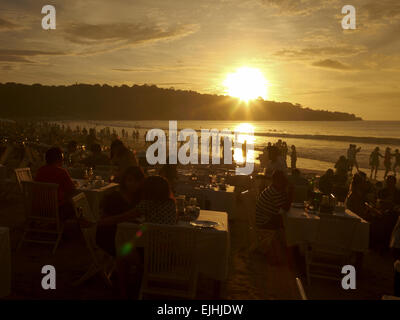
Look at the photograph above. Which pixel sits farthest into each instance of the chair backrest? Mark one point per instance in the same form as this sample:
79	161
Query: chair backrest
249	201
82	210
23	174
82	207
6	154
335	233
41	200
301	289
170	253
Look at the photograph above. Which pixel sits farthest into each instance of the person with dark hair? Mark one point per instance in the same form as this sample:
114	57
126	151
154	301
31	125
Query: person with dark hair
72	156
158	204
169	172
122	158
53	172
297	179
389	206
326	182
374	161
396	160
96	158
342	167
276	161
117	204
389	196
387	162
293	157
271	200
355	199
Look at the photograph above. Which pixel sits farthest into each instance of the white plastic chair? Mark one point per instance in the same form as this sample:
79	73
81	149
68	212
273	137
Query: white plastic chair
23	174
301	289
170	267
333	242
102	263
41	205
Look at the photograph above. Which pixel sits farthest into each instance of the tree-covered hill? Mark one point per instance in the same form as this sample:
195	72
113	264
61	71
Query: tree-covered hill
145	102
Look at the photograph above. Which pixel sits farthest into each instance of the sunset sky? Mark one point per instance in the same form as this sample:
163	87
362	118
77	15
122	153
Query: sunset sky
298	45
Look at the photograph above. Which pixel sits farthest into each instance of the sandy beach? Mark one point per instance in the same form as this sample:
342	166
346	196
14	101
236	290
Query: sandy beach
251	276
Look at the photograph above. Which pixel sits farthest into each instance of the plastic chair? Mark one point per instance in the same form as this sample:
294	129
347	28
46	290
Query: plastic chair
170	267
102	263
41	205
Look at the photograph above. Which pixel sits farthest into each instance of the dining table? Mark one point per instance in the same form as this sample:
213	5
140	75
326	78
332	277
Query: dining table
95	192
211	197
301	228
5	262
212	244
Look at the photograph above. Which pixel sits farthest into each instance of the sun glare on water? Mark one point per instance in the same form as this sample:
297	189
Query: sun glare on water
245	134
246	84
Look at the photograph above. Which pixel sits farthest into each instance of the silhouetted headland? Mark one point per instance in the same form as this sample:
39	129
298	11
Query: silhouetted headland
146	102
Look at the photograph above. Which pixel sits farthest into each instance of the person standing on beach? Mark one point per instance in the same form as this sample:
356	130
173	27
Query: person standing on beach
284	152
396	161
293	157
352	157
387	162
374	161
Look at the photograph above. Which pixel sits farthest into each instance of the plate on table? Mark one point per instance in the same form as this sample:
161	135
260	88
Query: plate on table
298	205
204	224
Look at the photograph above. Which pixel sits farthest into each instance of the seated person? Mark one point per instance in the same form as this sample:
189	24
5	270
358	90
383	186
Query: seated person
169	172
326	182
117	203
297	179
158	205
53	172
72	155
96	158
271	200
389	196
122	158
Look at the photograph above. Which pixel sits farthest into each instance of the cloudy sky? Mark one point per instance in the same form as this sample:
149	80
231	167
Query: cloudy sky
299	45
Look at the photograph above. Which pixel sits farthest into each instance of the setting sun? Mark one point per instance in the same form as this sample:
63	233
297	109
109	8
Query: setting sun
246	84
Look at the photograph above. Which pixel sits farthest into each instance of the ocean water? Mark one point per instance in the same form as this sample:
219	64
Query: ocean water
319	143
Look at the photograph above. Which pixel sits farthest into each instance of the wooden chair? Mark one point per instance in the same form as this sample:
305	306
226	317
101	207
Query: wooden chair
6	154
301	289
23	174
332	247
102	263
42	216
170	267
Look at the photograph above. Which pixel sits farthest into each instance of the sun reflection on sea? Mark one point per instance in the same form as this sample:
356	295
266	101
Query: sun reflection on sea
244	133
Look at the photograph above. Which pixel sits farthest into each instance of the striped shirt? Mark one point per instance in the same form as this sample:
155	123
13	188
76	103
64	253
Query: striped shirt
268	205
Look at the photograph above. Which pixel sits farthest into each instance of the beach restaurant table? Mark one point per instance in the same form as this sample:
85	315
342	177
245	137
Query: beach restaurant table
5	262
217	199
95	195
213	245
302	228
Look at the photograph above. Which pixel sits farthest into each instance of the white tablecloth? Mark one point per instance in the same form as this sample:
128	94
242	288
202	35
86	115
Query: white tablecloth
302	228
5	262
213	245
217	200
96	195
